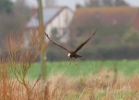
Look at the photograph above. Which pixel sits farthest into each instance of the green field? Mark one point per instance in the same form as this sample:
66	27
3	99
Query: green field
84	68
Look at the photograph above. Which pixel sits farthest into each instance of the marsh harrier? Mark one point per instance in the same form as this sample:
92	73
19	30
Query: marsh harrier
72	54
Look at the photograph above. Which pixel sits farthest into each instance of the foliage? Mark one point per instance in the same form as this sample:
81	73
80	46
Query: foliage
50	2
13	21
56	53
22	10
6	6
131	37
92	3
54	32
104	45
105	3
111	39
120	3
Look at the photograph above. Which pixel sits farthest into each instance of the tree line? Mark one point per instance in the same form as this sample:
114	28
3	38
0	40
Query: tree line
105	3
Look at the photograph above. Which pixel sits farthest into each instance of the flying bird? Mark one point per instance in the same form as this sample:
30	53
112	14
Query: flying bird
72	54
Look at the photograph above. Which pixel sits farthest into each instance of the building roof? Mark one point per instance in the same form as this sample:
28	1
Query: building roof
48	14
107	15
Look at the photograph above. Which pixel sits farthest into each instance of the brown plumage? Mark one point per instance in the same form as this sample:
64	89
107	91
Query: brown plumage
72	54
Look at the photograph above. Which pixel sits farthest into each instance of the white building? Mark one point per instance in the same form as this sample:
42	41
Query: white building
55	19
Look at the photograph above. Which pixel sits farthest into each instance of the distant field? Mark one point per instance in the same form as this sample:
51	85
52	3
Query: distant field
125	67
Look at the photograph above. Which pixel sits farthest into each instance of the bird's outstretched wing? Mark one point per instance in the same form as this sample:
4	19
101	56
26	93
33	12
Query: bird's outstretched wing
57	43
78	48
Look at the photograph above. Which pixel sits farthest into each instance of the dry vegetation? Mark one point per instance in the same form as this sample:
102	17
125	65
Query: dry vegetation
60	87
105	85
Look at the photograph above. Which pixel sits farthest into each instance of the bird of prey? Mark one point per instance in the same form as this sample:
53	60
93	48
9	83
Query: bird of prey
72	54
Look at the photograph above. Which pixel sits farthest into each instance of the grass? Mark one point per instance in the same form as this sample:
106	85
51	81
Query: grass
85	68
78	87
65	88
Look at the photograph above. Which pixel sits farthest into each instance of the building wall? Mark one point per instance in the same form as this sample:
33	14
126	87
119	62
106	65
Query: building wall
61	21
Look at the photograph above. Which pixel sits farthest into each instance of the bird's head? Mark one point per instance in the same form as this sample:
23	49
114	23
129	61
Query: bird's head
69	55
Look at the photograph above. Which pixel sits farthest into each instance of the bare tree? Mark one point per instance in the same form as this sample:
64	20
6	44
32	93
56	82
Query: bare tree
120	3
50	2
107	3
92	3
20	60
104	3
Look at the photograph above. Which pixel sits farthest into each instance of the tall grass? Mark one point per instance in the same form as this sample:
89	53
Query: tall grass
61	87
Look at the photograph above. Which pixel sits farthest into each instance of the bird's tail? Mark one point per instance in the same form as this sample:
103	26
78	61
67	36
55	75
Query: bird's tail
78	56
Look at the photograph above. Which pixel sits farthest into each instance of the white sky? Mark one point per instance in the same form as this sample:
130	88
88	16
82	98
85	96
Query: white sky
133	2
72	3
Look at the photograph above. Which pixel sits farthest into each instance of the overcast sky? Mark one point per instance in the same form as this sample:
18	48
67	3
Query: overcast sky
72	3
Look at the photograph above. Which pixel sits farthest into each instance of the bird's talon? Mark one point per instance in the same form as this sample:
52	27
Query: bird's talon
69	63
